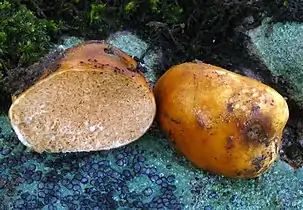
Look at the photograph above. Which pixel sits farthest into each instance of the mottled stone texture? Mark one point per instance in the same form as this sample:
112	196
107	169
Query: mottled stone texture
280	47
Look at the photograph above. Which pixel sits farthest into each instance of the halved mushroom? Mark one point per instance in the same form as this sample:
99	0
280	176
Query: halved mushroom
95	100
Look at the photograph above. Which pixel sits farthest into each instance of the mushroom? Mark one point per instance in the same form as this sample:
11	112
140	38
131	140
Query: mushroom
223	122
97	99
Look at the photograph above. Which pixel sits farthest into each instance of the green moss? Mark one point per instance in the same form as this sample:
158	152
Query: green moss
23	37
96	12
130	7
154	4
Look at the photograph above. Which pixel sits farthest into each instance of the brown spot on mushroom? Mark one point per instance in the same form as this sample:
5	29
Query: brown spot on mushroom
109	51
238	173
257	129
255	110
175	120
258	162
230	107
227	120
255	132
230	141
200	119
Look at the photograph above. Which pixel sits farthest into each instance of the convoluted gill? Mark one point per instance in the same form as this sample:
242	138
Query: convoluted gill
223	122
95	99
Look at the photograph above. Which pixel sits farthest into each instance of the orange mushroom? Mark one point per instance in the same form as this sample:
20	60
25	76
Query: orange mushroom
95	100
223	122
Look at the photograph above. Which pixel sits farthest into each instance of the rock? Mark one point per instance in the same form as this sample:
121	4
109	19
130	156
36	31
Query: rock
279	47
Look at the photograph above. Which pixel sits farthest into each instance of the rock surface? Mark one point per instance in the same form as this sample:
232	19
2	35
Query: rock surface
280	47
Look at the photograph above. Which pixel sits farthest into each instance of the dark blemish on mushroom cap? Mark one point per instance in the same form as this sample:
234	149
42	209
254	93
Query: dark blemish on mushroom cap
200	119
248	173
174	120
230	107
227	120
229	144
255	110
258	162
109	51
255	131
134	69
239	173
131	69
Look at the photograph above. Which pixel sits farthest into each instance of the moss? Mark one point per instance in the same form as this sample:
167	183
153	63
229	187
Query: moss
95	12
130	6
23	37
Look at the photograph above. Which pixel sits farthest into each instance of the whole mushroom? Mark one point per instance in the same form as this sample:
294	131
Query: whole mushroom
223	122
